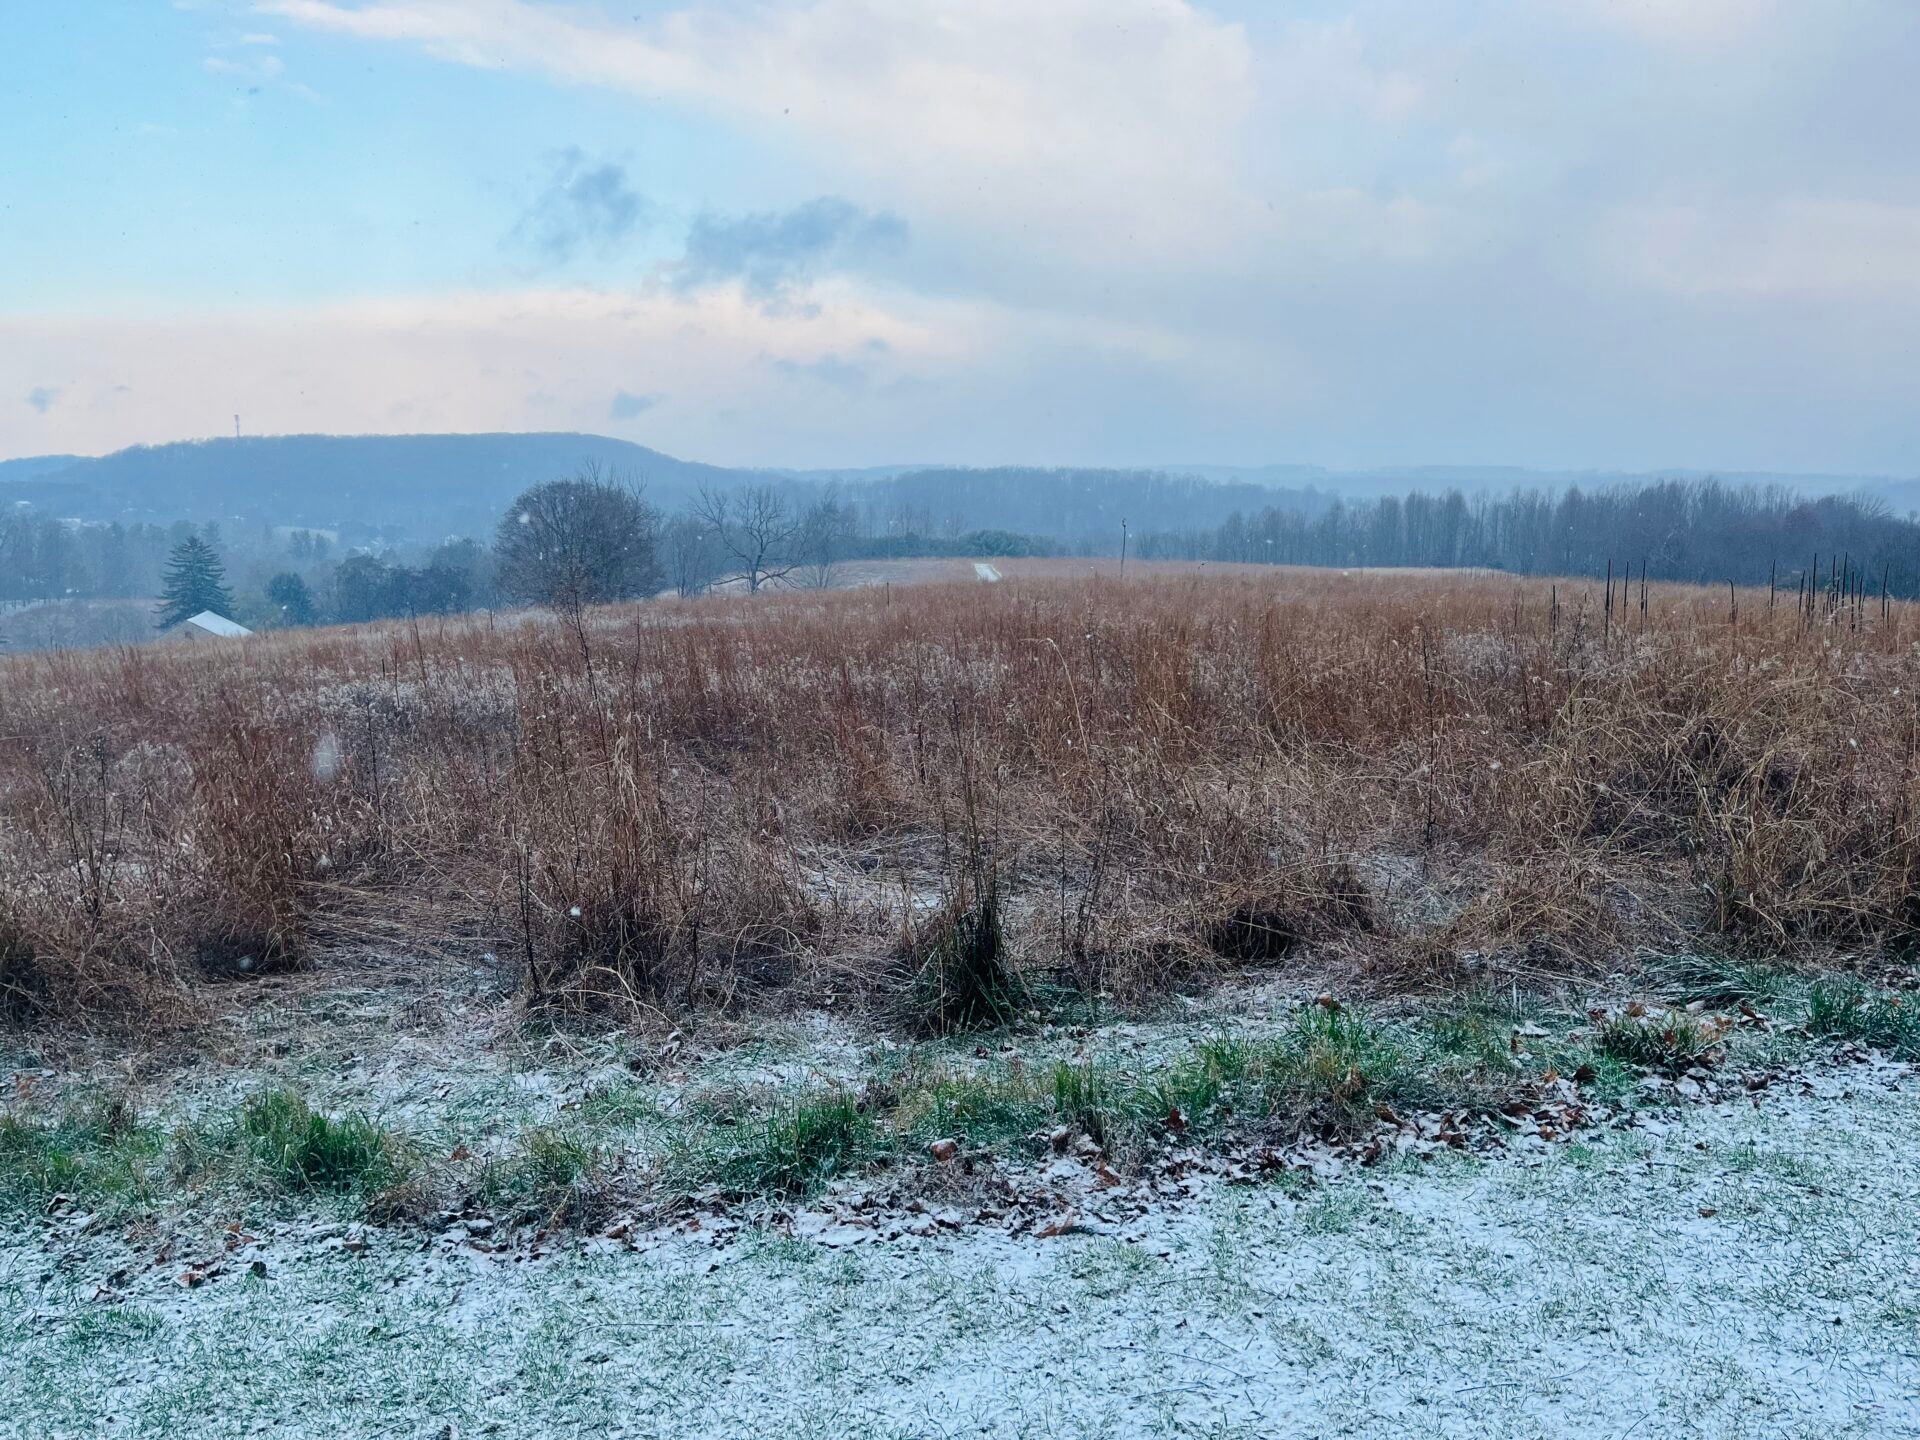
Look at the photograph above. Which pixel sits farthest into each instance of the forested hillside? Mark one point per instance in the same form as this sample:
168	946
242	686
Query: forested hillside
420	487
1698	530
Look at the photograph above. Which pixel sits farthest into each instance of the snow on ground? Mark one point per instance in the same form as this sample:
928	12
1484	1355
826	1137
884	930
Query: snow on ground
1733	1270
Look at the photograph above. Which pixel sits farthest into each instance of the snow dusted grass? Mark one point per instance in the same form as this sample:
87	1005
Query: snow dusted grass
579	1141
1741	1271
1726	1269
572	1130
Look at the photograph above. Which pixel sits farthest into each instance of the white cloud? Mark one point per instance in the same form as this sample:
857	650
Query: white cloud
550	359
1329	67
1795	247
1066	118
258	71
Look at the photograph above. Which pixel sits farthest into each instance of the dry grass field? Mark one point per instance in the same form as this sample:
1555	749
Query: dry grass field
1419	779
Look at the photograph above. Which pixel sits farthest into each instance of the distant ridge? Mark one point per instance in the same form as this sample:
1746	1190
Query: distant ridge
36	465
428	487
421	485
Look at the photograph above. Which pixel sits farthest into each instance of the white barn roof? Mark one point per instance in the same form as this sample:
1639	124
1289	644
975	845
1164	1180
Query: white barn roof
214	624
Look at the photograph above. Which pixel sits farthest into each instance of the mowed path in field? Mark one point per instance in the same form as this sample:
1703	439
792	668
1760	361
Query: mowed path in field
1735	1271
854	573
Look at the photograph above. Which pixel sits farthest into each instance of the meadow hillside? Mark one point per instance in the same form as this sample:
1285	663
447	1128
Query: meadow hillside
1413	780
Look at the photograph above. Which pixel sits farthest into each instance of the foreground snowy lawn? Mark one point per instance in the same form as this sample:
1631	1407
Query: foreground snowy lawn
1747	1272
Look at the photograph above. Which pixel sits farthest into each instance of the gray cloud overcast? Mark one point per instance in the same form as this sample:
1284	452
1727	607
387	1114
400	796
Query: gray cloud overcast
582	205
774	251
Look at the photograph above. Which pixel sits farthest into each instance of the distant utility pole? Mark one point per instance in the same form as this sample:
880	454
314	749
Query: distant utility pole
1123	547
236	427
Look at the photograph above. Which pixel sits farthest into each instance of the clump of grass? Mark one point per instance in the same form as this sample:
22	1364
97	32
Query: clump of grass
551	1176
800	1146
1478	1031
1879	1018
96	1151
964	978
975	1110
1492	1047
1719	982
621	1104
1330	1070
281	1143
238	901
1201	1085
1325	1074
1119	1110
1671	1042
1092	1098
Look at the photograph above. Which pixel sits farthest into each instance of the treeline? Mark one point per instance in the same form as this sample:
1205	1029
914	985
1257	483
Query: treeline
600	536
45	558
1082	509
279	576
784	533
1701	531
42	558
794	535
450	579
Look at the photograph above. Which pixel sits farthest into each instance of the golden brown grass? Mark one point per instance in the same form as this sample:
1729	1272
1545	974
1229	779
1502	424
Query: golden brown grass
675	805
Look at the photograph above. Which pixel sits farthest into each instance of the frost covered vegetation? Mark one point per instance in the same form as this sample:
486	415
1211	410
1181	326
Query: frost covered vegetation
1198	933
1741	1275
626	1144
1099	790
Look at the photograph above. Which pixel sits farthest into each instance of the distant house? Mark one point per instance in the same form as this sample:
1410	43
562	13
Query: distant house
209	626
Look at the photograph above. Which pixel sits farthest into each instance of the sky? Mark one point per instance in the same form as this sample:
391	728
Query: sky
1569	234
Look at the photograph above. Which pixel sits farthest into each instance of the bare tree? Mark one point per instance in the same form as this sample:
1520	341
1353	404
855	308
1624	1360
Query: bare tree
826	534
573	543
755	528
689	548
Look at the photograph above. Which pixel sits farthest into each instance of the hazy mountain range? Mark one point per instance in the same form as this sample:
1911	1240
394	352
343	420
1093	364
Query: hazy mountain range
423	486
431	486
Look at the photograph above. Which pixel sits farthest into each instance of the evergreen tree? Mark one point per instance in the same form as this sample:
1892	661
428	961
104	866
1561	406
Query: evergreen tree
195	581
289	594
